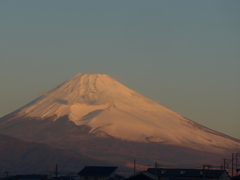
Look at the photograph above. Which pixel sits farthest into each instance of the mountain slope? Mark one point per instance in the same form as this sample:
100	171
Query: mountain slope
21	157
105	105
63	133
94	110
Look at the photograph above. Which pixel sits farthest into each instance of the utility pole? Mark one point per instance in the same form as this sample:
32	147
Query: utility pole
225	164
156	168
134	166
237	155
203	172
232	163
56	171
6	173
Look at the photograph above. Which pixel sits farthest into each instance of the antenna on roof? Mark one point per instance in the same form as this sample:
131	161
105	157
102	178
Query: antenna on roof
207	165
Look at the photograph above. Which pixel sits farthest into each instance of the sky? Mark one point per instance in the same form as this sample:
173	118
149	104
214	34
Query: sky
185	55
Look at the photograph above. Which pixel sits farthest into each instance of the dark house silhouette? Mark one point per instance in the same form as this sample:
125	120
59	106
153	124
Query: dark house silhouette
189	174
99	173
236	177
144	175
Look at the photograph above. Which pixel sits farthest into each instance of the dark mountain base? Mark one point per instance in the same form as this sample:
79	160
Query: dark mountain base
19	157
63	133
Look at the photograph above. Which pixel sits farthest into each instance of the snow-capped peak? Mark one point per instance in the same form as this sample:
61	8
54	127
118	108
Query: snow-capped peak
105	105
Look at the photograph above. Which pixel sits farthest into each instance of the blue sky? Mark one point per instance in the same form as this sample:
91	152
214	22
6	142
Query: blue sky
183	54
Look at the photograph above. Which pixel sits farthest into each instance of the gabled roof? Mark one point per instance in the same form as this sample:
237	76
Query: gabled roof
197	173
213	173
236	177
97	171
144	175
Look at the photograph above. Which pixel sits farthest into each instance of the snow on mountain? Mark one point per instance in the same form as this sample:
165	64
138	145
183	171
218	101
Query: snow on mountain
105	105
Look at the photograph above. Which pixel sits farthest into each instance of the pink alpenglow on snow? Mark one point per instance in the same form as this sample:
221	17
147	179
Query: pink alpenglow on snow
106	106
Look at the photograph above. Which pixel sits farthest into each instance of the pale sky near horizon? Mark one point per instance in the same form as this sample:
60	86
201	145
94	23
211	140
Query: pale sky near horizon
183	54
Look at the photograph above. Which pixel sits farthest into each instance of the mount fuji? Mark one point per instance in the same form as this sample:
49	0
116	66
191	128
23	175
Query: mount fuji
101	118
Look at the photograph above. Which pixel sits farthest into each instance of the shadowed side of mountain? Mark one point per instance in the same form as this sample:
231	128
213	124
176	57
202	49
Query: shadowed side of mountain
63	133
31	129
20	157
97	116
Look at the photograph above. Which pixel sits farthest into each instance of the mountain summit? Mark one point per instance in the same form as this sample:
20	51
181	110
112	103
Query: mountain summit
101	118
106	106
